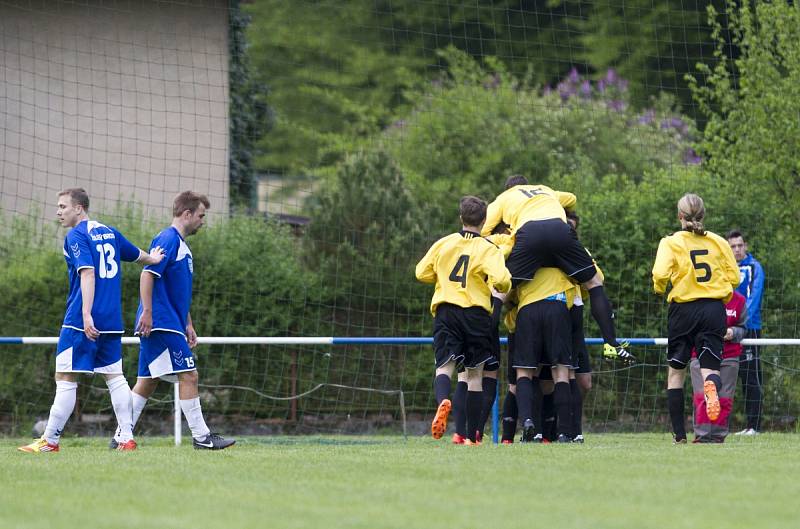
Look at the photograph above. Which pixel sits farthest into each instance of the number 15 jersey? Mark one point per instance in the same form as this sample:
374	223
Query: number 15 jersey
463	266
698	266
91	244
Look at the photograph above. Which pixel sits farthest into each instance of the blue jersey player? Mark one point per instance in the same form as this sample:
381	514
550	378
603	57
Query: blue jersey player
165	325
90	339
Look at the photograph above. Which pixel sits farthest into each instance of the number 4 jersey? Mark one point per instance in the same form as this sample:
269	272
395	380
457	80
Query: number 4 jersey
698	266
464	265
91	244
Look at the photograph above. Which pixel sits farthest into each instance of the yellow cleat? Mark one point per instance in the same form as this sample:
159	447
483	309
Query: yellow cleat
39	445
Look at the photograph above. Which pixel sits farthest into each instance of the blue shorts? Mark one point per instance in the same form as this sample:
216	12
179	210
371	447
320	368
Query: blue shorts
164	353
76	353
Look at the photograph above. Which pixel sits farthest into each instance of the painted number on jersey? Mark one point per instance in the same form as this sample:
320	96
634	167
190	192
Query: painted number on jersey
459	273
699	266
532	192
108	265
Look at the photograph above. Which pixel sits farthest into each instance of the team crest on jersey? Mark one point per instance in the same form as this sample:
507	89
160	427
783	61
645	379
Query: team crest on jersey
177	357
76	251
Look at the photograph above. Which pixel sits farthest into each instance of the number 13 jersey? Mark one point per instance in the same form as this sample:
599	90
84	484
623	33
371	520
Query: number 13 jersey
463	266
698	266
91	244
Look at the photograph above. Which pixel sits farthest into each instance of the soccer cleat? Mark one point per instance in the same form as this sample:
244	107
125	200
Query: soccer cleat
113	444
712	400
681	441
39	445
747	432
458	439
467	442
563	438
439	424
507	442
578	439
611	352
127	446
528	432
212	441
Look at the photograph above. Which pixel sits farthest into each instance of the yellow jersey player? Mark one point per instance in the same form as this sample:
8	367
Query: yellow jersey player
542	238
703	273
464	268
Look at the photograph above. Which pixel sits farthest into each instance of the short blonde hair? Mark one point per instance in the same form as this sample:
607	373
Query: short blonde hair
78	196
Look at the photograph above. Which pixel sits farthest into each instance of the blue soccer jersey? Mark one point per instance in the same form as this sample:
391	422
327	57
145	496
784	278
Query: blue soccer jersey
91	244
172	289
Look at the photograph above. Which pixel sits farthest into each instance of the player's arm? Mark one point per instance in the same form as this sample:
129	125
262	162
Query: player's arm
567	199
756	290
737	332
87	295
191	335
494	216
146	283
662	268
426	270
497	275
131	253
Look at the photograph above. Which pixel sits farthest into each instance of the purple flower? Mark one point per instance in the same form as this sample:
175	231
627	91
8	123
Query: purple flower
617	105
648	117
611	76
574	77
690	157
586	89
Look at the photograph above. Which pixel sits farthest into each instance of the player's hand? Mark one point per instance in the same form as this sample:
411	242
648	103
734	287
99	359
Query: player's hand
728	335
89	329
191	336
156	255
499	295
145	323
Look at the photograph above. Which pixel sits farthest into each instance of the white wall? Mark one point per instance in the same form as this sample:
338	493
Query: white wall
128	99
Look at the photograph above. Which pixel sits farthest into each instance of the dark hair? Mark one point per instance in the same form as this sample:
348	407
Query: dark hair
693	210
78	196
188	201
515	180
571	215
501	228
472	211
734	234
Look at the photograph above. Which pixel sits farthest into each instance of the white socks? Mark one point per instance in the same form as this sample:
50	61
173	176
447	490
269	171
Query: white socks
194	416
121	400
63	404
138	405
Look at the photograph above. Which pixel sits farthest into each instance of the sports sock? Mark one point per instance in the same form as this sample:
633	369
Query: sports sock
537	405
577	408
489	395
194	416
474	407
441	388
123	407
675	405
525	398
138	405
562	402
603	315
63	404
510	413
717	380
549	418
460	408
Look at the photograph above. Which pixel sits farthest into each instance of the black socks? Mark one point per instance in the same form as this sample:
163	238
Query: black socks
603	315
675	405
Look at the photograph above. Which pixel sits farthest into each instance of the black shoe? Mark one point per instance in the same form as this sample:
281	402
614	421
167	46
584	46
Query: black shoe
578	439
564	438
212	441
528	432
113	444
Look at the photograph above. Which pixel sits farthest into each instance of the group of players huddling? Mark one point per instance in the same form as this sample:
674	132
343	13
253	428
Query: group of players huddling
522	251
90	340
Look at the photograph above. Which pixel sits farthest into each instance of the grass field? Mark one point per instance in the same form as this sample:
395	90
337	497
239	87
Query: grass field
612	481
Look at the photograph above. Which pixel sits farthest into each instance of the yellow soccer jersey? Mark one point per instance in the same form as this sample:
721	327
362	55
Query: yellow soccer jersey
503	241
463	266
546	282
510	318
518	205
698	266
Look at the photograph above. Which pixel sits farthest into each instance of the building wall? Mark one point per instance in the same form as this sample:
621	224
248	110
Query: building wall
128	99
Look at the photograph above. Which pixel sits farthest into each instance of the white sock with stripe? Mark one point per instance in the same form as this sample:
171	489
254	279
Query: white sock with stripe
63	404
194	416
138	406
123	408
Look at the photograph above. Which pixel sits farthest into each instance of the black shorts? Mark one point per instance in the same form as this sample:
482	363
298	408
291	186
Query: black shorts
580	354
511	373
548	243
545	373
698	324
493	364
543	335
463	335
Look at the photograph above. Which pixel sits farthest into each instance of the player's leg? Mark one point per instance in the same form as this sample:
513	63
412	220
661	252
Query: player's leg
544	409
74	355
563	403
108	362
580	378
700	422
510	411
575	412
525	378
675	378
750	374
474	402
441	390
681	322
708	343
729	372
489	395
459	409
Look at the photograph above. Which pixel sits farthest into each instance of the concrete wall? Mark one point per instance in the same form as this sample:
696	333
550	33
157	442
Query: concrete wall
128	99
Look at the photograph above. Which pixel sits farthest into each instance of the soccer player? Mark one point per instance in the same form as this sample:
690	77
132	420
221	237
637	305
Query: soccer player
165	325
706	430
464	267
703	273
90	340
543	239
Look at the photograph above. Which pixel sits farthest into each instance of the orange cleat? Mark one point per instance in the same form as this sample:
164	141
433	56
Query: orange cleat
127	446
458	439
712	400
439	424
39	445
507	442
